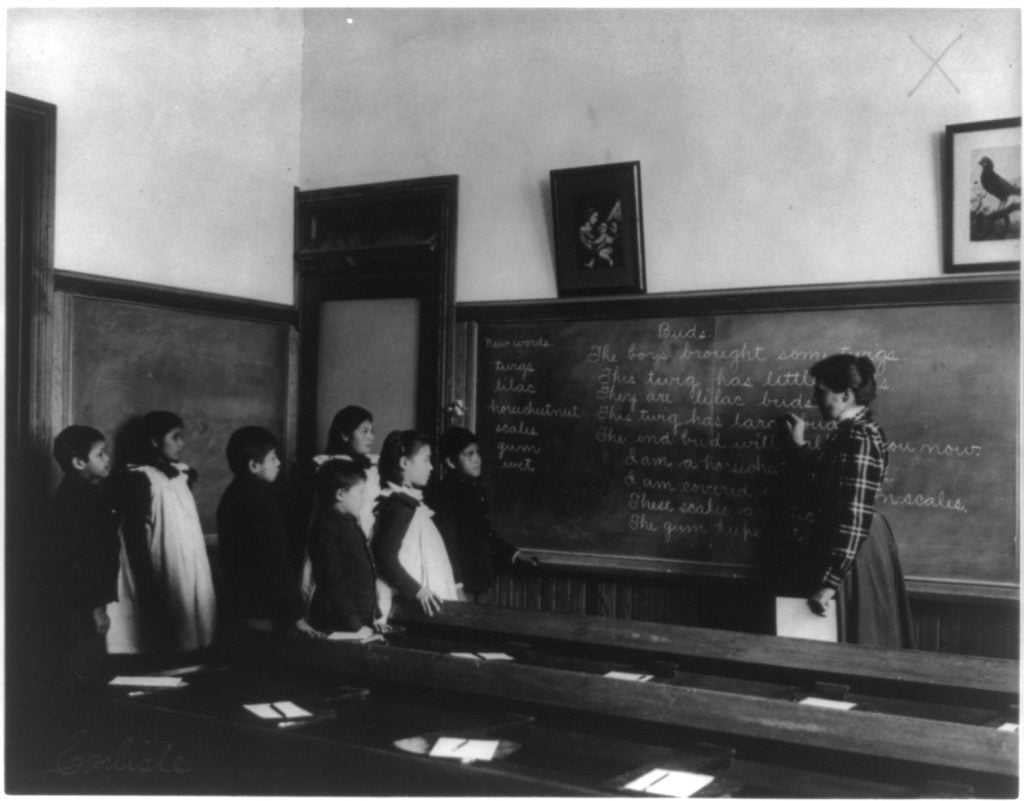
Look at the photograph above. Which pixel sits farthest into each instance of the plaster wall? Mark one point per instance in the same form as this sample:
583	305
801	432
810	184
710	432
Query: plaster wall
776	146
177	141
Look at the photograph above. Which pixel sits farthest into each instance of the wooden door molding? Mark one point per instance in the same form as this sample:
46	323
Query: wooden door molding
31	363
375	241
31	178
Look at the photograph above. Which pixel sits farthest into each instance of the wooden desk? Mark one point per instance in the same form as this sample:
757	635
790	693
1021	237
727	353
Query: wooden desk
943	678
667	673
911	750
200	740
577	730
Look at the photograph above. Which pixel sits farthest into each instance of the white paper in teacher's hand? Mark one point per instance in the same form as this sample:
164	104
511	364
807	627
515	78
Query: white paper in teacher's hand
794	618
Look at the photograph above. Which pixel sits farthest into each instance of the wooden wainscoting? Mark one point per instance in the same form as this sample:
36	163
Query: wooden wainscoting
969	628
975	628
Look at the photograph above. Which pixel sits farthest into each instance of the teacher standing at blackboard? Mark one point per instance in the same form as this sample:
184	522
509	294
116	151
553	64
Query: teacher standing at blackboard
853	556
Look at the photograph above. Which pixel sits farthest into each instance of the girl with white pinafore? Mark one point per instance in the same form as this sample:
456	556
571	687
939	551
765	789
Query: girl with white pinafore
166	601
411	554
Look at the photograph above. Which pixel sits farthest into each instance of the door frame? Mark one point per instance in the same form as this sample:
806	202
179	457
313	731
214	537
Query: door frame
31	158
420	266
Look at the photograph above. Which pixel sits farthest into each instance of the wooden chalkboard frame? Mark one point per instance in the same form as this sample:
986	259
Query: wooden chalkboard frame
952	289
960	289
101	288
68	287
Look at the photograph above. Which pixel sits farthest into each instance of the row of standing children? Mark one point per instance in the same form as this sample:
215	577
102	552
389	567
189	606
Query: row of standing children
383	526
150	589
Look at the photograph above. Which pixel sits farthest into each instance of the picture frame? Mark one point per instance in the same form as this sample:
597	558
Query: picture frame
598	230
981	228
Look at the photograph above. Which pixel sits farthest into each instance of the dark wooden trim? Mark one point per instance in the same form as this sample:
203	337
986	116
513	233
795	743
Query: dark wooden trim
989	593
653	566
117	289
31	472
30	277
1006	594
386	271
373	191
950	289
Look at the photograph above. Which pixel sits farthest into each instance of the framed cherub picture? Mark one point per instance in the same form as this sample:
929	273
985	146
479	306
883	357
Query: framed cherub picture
982	196
598	230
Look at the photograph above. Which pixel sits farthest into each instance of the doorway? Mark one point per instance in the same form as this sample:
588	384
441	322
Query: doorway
375	285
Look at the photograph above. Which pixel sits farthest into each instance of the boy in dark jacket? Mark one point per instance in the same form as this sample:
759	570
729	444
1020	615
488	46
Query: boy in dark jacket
462	516
261	584
88	546
343	569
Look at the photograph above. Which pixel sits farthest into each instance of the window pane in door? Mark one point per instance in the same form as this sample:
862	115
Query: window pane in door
368	356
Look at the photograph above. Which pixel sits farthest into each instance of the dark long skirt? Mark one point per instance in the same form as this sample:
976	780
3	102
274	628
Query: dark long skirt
872	603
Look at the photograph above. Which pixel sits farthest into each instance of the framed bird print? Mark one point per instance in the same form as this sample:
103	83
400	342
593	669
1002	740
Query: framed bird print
599	236
982	196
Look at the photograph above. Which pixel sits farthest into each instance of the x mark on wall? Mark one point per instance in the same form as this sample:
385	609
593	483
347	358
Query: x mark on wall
935	65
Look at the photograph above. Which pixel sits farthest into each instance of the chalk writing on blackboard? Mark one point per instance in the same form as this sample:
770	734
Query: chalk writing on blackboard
655	437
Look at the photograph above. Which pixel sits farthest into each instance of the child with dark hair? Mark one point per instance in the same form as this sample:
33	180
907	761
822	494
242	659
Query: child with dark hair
84	520
463	517
166	598
350	438
410	552
345	598
260	584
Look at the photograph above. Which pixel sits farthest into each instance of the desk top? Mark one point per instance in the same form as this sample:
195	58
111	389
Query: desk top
938	745
840	661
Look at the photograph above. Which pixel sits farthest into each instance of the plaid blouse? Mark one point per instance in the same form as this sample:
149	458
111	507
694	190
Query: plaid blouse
849	472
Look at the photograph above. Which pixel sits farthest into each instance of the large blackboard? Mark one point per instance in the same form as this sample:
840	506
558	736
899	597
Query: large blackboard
640	431
217	369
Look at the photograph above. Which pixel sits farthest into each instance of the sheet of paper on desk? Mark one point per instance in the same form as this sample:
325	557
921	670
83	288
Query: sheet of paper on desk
464	655
278	710
265	711
147	681
676	783
466	749
828	703
794	618
1009	727
621	674
290	710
